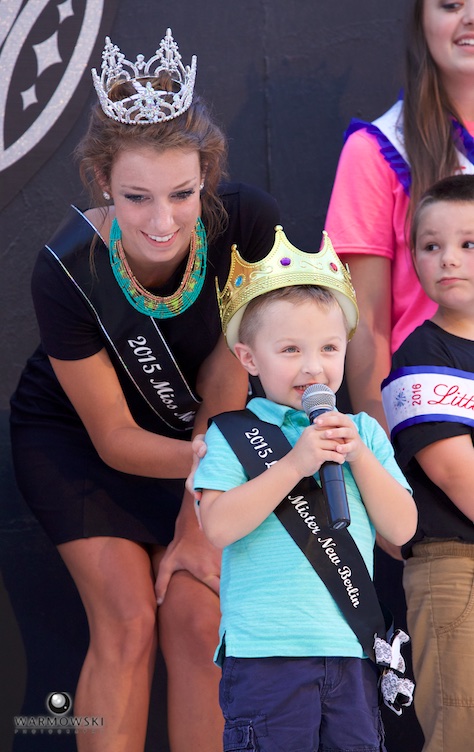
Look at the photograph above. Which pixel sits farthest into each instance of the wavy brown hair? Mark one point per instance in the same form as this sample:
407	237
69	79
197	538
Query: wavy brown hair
427	113
193	130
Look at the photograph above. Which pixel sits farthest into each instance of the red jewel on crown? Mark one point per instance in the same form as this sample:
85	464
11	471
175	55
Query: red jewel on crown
333	266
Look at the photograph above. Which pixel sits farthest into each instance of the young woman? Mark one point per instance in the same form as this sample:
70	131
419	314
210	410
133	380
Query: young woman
131	362
384	168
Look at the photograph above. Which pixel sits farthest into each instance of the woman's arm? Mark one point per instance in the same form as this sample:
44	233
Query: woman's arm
449	463
223	385
95	392
368	356
230	515
360	223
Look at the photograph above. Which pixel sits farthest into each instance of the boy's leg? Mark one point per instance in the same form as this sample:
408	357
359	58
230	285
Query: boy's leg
351	718
439	589
271	704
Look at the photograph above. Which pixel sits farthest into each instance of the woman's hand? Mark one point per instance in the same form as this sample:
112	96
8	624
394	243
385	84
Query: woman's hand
368	356
191	551
223	385
199	450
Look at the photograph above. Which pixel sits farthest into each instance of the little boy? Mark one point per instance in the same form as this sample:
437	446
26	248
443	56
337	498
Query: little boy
429	402
294	675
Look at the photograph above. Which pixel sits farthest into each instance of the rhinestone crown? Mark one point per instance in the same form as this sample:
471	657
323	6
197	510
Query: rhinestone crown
148	105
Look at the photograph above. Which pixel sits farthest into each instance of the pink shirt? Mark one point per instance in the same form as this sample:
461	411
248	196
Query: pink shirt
366	215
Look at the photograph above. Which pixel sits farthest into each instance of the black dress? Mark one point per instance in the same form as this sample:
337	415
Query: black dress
73	493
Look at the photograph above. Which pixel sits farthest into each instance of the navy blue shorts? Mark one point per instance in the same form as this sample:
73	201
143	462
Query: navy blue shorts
301	705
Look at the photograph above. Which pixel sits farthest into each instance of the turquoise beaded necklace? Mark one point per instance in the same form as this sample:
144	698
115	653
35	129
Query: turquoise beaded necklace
155	305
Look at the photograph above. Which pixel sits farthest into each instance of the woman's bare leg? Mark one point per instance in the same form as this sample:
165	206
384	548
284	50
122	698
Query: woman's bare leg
188	623
115	582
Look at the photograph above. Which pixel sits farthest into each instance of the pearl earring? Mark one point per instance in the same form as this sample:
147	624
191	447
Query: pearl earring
201	186
106	195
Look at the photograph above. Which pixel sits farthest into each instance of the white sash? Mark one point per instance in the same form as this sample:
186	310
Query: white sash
391	125
419	394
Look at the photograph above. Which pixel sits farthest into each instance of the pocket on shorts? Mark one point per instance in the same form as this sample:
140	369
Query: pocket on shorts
239	734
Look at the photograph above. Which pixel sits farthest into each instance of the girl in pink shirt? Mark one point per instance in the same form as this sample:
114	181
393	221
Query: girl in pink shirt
383	169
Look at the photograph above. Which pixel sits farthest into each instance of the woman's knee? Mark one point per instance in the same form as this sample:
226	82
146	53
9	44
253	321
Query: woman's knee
127	633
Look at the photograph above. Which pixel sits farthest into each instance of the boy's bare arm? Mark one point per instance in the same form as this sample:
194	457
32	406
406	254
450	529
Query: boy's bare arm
389	505
449	463
230	515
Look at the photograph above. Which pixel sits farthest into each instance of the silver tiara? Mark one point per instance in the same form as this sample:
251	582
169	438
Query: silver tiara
148	105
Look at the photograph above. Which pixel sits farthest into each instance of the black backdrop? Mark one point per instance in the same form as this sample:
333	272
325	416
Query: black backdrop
284	79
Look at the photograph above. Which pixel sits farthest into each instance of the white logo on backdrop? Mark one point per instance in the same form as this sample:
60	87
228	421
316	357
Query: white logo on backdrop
32	34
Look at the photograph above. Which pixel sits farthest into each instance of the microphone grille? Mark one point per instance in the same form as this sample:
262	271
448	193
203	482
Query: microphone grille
319	397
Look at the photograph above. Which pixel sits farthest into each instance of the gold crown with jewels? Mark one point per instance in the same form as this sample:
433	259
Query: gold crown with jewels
148	105
284	266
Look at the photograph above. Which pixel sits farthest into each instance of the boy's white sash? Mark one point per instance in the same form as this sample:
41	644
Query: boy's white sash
420	394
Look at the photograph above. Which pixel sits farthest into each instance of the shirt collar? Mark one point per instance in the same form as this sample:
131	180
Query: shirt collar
277	414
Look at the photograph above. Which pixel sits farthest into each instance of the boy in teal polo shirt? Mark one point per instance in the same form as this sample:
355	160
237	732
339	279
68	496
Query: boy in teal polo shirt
294	673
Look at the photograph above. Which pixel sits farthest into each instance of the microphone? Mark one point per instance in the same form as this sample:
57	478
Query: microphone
318	399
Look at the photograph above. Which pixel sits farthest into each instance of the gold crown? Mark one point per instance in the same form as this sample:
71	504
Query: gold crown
284	266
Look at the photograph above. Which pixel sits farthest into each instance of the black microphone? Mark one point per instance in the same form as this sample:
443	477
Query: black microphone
318	399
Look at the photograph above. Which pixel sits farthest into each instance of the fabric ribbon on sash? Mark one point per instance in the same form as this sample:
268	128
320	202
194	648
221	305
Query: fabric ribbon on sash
332	553
134	338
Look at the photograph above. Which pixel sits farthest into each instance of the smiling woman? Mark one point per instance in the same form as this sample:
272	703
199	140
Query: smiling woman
422	138
157	205
450	38
131	364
